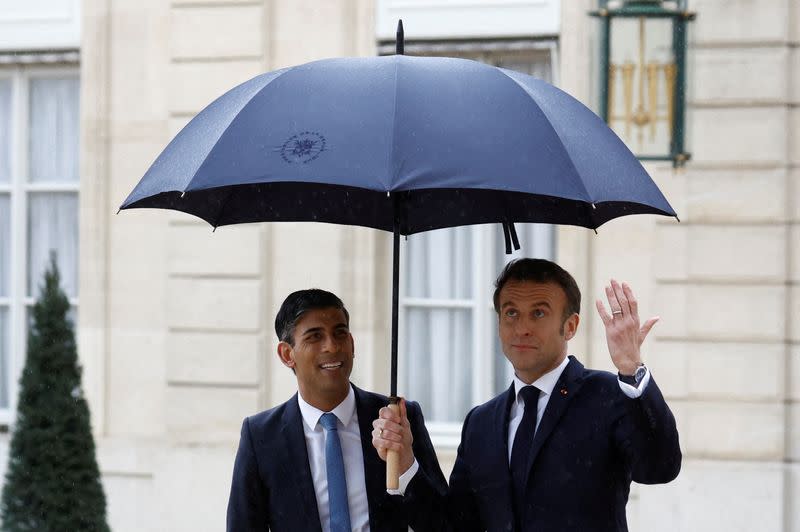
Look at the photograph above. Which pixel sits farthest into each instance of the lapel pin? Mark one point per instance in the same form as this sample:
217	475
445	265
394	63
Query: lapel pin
564	391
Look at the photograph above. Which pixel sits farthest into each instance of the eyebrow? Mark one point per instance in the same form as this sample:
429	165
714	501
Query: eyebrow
338	326
535	304
311	330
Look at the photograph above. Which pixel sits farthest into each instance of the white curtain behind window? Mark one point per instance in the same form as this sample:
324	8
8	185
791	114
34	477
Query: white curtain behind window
5	244
53	139
53	158
5	130
4	352
53	225
438	346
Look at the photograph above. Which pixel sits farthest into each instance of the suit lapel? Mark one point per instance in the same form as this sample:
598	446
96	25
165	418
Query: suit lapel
502	415
367	406
296	463
566	388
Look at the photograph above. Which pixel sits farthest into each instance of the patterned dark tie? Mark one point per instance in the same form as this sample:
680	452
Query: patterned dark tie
337	483
521	450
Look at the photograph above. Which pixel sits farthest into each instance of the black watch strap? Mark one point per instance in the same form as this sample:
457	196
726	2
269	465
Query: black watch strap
634	379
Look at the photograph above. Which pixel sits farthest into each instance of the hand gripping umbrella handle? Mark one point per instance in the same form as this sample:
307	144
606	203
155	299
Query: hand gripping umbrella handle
393	457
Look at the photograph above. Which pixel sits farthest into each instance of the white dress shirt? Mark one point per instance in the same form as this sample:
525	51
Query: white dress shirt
546	383
353	456
352	453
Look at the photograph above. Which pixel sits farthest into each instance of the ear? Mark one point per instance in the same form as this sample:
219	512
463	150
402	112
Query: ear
286	354
352	344
571	326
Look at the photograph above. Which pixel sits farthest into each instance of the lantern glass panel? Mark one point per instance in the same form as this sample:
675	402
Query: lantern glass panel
641	84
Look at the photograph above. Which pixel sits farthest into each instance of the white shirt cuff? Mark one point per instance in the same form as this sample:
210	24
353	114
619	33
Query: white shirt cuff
632	391
405	479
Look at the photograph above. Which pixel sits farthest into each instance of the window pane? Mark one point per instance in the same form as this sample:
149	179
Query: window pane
439	264
5	130
438	354
53	225
53	139
5	352
5	244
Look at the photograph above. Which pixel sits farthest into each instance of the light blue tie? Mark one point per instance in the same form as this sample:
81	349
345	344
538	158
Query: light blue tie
337	483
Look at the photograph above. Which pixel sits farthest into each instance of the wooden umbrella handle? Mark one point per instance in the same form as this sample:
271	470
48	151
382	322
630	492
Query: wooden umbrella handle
393	457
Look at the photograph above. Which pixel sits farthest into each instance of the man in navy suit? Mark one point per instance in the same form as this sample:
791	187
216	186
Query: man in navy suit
308	464
558	450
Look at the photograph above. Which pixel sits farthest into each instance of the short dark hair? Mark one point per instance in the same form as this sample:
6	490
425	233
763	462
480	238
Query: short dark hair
298	303
540	271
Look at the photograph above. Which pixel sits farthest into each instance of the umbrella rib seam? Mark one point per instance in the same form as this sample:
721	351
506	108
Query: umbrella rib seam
390	163
555	132
233	118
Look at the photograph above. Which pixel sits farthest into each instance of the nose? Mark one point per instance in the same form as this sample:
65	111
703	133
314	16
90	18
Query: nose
331	344
523	327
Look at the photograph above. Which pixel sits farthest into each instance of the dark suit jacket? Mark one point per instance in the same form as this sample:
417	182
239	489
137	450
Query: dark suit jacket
272	487
591	442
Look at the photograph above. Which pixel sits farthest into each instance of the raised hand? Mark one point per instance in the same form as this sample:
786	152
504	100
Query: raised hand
624	334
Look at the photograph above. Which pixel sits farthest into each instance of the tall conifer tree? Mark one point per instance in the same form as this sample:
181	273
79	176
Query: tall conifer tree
52	482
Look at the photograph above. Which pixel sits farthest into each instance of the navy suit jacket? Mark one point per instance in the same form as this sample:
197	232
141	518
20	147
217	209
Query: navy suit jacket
591	442
272	487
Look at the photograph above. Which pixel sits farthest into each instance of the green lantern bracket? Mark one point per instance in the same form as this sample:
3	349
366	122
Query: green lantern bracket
643	75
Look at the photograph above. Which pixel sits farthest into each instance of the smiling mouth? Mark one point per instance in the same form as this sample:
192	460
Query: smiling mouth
332	365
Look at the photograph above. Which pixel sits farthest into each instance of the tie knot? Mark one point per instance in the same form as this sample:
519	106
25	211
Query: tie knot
529	394
328	421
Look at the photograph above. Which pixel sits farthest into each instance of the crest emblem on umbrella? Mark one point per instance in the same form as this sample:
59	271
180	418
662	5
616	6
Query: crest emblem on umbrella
303	147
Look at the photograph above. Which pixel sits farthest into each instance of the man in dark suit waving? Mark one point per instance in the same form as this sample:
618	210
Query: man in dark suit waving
558	450
308	464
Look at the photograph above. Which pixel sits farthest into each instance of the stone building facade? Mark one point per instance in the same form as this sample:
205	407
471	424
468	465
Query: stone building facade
175	324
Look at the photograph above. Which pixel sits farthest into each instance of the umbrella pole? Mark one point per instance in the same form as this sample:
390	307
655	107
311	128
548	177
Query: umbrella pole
395	299
392	457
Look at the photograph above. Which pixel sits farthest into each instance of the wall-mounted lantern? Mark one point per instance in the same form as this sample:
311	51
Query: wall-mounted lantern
643	75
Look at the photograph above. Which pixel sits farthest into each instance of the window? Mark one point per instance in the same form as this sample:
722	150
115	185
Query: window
451	356
39	132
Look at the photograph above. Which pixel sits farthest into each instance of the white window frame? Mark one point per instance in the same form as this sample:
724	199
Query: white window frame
18	301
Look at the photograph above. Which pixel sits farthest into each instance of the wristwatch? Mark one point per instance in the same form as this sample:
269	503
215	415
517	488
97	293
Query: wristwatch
636	378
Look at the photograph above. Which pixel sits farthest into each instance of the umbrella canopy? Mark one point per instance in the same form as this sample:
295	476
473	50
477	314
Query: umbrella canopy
403	144
398	143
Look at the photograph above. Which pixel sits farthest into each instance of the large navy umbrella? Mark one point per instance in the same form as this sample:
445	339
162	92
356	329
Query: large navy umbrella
403	144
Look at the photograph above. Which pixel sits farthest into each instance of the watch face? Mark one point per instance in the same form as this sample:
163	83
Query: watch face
640	373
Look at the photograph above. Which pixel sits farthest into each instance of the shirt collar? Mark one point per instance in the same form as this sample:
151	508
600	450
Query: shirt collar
344	411
545	383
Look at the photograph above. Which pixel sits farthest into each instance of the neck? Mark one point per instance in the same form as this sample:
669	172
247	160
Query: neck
325	401
531	376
